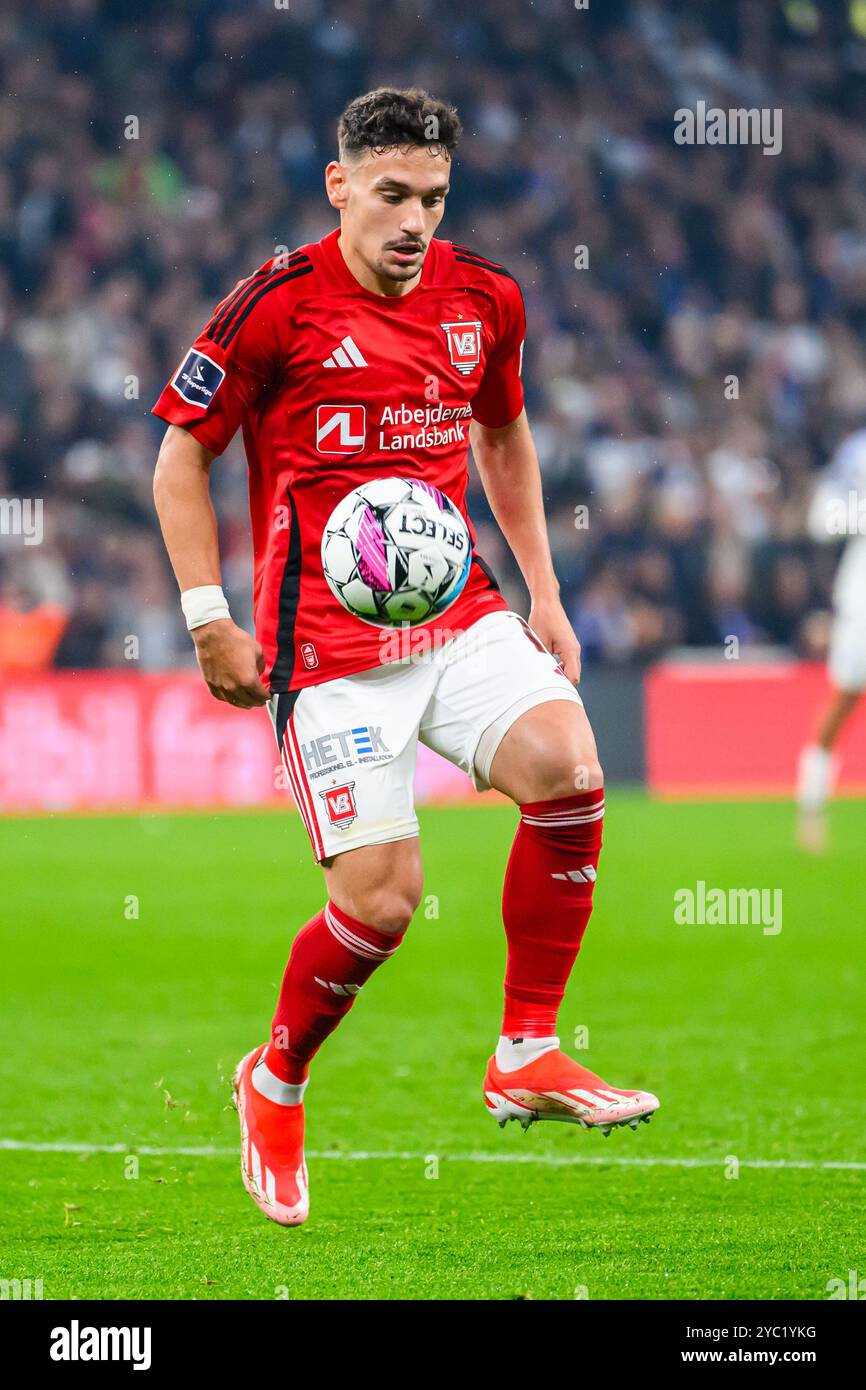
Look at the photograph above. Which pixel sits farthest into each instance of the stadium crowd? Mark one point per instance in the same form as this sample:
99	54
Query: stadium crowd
696	314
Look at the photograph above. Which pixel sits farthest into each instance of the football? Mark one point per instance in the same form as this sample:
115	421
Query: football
395	551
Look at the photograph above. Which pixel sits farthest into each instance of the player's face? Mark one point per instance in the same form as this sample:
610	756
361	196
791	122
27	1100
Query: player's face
391	204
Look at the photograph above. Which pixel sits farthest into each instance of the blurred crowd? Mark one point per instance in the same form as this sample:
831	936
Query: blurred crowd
696	313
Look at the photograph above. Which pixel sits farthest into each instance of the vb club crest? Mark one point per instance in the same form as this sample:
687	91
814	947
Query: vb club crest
464	344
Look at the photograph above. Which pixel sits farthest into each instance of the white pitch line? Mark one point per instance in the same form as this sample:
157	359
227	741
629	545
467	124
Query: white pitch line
366	1156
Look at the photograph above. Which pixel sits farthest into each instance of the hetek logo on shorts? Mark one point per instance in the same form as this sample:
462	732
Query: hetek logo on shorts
355	745
340	804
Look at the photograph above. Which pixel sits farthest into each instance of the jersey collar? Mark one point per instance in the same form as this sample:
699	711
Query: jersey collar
334	258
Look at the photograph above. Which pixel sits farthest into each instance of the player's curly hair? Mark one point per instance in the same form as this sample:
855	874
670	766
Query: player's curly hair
390	116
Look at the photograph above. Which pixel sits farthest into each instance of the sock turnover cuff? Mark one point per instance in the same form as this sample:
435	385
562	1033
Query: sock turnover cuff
578	809
358	937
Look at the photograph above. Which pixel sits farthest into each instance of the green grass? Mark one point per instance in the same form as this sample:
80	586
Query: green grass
119	1031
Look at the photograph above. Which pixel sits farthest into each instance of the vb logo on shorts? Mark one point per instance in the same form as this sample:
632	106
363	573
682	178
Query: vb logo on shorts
340	803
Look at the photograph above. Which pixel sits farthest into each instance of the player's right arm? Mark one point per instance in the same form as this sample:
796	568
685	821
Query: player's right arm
227	372
230	659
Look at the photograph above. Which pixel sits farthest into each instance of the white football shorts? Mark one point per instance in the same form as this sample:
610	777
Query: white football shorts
846	660
348	746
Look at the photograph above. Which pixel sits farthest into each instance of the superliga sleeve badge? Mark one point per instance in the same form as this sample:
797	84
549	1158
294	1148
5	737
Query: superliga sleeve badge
198	379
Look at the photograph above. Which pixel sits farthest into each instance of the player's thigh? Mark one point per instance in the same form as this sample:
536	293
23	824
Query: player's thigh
548	752
348	748
379	884
492	678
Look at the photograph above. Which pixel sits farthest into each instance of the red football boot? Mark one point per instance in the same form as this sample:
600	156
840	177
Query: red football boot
272	1149
555	1087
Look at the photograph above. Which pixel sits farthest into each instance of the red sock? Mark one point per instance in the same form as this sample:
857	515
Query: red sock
331	958
546	904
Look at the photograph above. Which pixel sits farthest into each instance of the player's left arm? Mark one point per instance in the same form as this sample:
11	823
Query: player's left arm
508	467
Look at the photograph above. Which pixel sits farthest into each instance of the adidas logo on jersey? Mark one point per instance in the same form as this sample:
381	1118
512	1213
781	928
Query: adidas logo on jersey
348	354
585	875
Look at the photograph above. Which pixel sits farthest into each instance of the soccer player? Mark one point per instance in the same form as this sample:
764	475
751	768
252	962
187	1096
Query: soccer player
382	350
838	509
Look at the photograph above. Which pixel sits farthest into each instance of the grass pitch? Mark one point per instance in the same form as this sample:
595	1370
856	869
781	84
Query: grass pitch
142	956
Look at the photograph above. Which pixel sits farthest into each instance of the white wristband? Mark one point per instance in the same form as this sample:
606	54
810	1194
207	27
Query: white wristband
203	605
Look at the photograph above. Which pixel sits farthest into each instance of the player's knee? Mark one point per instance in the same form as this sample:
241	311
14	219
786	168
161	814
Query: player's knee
394	911
587	776
380	885
554	755
556	776
391	908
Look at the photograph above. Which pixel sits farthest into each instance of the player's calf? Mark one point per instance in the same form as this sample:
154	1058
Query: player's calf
331	960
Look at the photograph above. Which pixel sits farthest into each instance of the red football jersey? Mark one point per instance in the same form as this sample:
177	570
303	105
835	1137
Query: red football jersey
334	385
